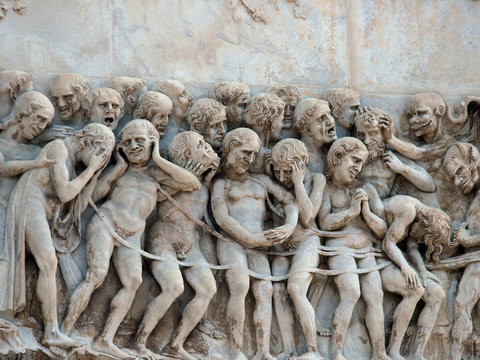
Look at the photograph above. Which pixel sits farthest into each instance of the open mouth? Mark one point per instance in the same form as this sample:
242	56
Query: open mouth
210	172
419	126
108	120
331	131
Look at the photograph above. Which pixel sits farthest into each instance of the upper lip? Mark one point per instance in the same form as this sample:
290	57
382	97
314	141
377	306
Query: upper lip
331	130
420	125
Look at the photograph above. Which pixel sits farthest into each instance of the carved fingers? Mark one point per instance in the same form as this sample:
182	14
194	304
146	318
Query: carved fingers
392	162
413	281
298	172
386	125
359	196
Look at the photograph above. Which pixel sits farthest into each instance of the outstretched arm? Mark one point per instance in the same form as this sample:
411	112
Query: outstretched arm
17	167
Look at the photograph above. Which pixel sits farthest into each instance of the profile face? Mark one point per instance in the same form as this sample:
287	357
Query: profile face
137	145
465	174
242	157
106	110
202	152
65	100
322	126
277	126
349	111
34	124
349	167
182	100
159	115
215	130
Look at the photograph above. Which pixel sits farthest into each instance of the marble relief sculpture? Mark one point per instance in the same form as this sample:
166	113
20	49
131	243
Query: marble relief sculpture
299	227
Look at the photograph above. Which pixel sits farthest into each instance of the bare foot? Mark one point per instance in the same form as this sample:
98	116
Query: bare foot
108	347
179	352
60	340
311	355
210	329
144	353
394	355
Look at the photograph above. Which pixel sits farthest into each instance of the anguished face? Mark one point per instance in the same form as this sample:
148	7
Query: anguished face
65	99
137	145
106	110
421	118
215	129
182	99
464	173
322	126
290	104
242	157
283	173
349	167
34	124
159	116
371	135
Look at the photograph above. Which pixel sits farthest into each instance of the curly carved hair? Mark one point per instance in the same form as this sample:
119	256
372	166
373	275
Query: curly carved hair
284	91
126	85
149	100
436	225
93	135
338	97
229	92
341	147
304	110
177	150
367	116
138	124
25	105
263	109
236	138
78	83
288	151
464	151
13	82
89	99
201	112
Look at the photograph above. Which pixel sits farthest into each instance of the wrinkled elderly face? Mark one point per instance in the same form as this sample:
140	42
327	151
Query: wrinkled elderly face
137	145
465	173
349	110
202	152
236	109
421	119
290	104
159	116
106	110
349	167
182	100
65	100
283	173
214	130
240	158
322	126
34	124
371	135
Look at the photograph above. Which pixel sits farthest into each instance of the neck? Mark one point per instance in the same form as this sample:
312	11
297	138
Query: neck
434	136
341	185
140	166
312	146
232	174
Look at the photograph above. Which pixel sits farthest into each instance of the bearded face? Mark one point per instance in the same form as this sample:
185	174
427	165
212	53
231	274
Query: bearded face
372	138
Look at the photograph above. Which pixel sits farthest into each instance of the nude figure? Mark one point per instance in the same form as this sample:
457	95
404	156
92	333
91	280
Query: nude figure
383	166
33	216
351	206
419	224
315	125
289	162
133	193
239	207
175	236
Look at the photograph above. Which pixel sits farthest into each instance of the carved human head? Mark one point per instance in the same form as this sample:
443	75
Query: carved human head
264	114
234	95
190	145
432	227
12	83
461	163
136	140
312	119
290	95
94	139
368	129
240	148
130	88
207	117
67	91
177	92
32	113
346	159
284	154
156	108
424	114
344	103
103	106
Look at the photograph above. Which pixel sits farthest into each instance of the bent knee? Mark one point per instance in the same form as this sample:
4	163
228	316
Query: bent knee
296	290
133	282
207	290
96	275
46	262
434	294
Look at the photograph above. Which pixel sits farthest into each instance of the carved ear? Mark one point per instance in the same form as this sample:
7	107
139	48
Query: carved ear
131	100
440	110
268	162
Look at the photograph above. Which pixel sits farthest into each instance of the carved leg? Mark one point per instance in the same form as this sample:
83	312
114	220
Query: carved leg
285	318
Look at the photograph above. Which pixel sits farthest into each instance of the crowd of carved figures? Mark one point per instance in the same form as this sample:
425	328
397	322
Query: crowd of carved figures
293	221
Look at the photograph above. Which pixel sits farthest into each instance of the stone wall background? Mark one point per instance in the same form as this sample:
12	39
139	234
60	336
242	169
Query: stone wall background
386	49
